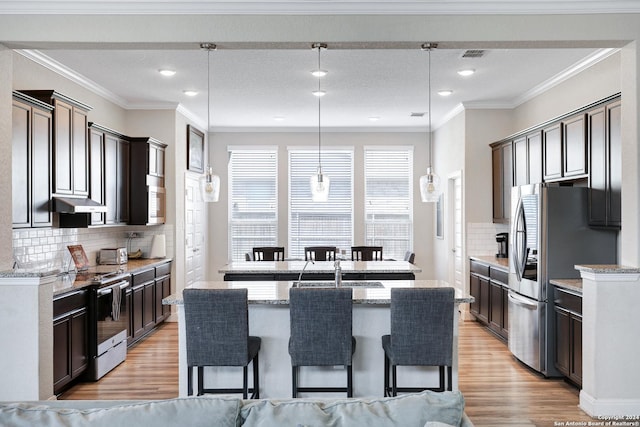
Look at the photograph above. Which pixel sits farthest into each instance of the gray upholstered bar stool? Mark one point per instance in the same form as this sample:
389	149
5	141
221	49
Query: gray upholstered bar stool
421	335
217	334
321	322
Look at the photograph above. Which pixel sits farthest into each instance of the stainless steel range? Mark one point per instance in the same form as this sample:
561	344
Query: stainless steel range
108	322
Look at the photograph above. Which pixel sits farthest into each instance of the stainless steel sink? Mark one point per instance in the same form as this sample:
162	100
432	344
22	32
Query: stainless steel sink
345	284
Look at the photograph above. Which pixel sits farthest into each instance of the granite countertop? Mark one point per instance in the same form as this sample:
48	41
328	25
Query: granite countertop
280	267
494	261
607	268
277	292
570	284
69	281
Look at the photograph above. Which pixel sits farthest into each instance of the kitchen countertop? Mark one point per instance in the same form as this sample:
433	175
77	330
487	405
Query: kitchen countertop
66	282
608	269
570	284
494	261
277	292
279	267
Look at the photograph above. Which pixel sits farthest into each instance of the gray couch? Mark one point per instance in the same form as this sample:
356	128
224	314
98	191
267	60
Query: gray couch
426	409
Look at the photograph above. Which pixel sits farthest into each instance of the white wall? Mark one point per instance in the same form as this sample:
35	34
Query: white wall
6	212
218	214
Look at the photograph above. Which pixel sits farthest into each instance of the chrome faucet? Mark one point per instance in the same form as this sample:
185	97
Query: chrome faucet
338	273
297	284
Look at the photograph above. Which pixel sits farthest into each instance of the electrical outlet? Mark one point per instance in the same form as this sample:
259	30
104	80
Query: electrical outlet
134	234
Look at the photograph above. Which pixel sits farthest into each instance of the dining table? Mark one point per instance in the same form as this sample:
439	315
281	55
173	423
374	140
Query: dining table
318	270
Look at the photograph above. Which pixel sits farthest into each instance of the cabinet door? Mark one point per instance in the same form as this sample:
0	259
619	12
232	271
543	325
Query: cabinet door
615	163
520	162
498	205
596	132
576	347
149	306
41	161
552	152
505	312
79	347
111	178
62	152
507	180
122	182
96	160
474	289
137	310
61	346
162	290
534	152
563	341
80	153
483	313
574	147
20	165
129	299
495	306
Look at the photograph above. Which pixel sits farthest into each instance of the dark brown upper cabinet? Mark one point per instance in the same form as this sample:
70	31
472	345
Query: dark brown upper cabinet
31	162
527	159
605	159
502	166
147	197
70	143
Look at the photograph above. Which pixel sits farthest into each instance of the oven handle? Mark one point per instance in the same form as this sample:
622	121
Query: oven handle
108	289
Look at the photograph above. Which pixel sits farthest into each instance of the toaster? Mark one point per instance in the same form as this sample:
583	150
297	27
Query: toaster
112	256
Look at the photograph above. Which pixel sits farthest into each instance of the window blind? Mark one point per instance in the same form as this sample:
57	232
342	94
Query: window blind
327	223
389	199
253	200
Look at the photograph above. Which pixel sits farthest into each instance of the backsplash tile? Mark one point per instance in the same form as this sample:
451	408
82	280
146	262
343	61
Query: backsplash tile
39	248
481	238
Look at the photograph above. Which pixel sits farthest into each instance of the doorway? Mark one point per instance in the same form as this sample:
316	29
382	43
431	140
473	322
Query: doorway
194	230
454	214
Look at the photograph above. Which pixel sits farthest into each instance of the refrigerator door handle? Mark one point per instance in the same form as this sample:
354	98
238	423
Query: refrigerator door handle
524	302
519	233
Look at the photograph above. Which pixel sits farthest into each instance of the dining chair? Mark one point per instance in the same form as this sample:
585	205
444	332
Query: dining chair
421	335
366	253
321	333
320	253
217	334
409	257
268	253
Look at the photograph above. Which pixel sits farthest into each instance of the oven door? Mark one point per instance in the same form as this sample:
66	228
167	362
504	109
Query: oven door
112	316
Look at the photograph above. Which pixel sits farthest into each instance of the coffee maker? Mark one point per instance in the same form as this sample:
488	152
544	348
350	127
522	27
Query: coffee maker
503	245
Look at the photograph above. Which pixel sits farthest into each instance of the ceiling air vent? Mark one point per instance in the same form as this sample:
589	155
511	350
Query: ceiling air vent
418	114
473	53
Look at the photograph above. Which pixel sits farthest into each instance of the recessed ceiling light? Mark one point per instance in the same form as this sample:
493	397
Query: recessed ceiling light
319	73
190	92
278	118
446	92
319	93
374	118
467	72
167	72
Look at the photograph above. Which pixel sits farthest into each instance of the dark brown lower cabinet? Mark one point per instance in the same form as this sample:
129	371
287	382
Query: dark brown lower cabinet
149	287
568	328
70	333
488	285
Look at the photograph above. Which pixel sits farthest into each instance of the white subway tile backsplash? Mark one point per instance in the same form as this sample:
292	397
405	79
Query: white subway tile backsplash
481	238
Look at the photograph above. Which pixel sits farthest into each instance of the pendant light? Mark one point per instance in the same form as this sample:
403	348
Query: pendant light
319	182
209	183
429	183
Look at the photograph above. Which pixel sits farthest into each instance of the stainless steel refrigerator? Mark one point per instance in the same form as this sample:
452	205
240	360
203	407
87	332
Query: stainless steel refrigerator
549	236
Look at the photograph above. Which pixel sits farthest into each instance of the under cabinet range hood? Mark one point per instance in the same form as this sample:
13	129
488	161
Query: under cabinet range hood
72	205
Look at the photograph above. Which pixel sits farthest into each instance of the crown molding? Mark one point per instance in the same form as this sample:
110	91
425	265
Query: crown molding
299	7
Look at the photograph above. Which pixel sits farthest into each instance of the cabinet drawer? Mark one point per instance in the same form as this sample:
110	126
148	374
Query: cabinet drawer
479	268
499	275
163	270
69	302
143	276
568	301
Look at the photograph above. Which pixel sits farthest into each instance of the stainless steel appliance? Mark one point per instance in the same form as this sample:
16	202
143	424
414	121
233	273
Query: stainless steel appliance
113	256
549	236
109	320
503	245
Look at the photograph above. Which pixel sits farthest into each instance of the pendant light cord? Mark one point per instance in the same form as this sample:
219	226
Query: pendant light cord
429	106
319	97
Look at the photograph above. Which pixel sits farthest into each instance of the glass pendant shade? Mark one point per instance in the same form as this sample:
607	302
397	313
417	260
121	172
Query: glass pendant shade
319	187
430	186
210	186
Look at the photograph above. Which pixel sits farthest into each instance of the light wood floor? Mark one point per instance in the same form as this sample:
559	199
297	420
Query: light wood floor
498	390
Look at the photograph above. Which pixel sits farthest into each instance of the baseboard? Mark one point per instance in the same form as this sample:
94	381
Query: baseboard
617	409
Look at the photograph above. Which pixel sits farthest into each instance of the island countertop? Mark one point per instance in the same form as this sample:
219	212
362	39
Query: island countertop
277	292
296	266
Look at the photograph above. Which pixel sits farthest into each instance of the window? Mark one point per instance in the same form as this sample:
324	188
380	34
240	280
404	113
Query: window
253	200
389	199
327	223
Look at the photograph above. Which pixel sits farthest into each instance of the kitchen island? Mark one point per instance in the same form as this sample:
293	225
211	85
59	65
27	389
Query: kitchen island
269	319
319	270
